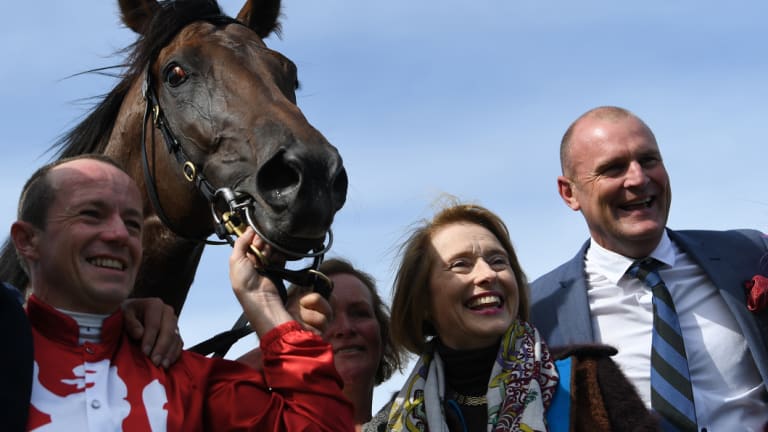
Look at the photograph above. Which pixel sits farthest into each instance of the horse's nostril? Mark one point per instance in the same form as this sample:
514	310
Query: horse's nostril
299	173
340	184
276	179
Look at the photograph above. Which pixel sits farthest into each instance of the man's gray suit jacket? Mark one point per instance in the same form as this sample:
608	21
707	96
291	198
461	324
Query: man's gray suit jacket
560	308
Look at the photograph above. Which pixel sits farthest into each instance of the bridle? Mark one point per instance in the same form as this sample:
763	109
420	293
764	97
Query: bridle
232	213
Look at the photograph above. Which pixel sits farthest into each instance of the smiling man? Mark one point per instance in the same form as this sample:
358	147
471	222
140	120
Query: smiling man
613	173
79	239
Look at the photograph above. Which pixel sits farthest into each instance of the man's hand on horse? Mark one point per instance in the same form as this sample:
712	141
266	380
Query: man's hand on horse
258	295
155	324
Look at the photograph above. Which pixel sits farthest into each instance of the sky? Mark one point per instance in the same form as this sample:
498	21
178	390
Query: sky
430	97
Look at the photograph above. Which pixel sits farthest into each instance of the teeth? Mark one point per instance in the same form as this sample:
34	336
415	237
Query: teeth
642	203
107	262
484	301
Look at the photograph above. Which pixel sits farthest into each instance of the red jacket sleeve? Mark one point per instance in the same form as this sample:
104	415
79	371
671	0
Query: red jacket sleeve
298	389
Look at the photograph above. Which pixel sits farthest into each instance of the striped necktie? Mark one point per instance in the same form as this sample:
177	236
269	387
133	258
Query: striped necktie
671	393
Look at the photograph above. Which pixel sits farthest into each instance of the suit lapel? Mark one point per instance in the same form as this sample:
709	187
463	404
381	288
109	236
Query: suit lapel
573	287
728	269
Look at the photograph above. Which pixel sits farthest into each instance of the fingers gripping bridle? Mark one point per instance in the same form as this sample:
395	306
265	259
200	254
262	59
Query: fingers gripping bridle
232	214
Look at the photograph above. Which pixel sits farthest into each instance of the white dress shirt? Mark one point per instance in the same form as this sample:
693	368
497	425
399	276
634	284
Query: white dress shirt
728	391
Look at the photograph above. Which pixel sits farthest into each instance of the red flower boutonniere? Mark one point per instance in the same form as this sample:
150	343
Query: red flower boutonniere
757	293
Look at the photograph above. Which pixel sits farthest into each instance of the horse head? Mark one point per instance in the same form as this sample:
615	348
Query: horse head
202	106
230	103
227	102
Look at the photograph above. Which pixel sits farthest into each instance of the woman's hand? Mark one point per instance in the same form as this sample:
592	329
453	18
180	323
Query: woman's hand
311	310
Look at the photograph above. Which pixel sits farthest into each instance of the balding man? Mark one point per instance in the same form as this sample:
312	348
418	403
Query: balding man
614	174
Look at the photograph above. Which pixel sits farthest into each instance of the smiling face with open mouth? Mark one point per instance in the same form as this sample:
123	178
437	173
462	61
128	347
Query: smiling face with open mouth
474	294
87	255
616	177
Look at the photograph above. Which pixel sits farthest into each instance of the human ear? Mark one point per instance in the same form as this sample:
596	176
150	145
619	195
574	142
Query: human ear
565	189
25	239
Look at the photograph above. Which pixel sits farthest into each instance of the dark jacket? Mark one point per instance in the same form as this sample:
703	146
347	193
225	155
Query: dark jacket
16	361
560	307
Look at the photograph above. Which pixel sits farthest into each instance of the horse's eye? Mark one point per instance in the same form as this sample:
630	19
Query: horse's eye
175	75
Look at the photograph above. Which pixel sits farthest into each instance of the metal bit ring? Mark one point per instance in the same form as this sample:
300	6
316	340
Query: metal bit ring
263	261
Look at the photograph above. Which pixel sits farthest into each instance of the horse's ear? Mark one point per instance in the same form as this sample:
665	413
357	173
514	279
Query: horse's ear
136	14
261	16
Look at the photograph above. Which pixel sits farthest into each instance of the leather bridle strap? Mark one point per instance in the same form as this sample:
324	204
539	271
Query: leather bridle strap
195	175
190	170
310	276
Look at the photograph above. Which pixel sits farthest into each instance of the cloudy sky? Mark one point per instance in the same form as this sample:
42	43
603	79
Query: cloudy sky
430	97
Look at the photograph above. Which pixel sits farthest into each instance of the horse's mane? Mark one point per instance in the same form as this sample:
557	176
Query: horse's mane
92	134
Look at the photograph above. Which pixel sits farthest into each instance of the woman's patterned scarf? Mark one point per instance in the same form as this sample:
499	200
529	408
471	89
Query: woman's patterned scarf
523	380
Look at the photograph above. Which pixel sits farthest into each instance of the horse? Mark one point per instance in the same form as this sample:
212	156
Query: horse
207	86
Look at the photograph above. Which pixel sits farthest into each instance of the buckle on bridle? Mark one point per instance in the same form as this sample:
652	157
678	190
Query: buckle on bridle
232	216
189	171
240	214
228	212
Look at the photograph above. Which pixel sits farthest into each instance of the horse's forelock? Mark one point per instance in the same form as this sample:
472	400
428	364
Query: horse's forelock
166	24
92	134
